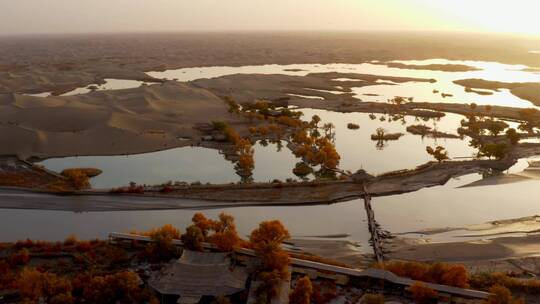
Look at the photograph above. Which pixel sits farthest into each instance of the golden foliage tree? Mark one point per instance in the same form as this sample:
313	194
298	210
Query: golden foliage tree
162	247
266	241
225	236
302	291
193	238
201	221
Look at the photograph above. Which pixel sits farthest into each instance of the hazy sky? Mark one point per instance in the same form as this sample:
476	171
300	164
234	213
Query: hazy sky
59	16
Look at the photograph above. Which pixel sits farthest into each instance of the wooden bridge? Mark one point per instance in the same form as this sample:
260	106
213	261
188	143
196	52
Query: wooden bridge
299	264
373	228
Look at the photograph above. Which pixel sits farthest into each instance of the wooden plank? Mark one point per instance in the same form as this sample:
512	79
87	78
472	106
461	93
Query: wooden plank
371	273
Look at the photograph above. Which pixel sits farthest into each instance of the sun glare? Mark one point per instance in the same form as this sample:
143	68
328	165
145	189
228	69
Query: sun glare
520	16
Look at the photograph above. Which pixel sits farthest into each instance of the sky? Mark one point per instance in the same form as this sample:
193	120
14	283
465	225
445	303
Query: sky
83	16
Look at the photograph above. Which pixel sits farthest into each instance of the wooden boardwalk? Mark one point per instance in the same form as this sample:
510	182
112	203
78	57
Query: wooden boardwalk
370	273
373	228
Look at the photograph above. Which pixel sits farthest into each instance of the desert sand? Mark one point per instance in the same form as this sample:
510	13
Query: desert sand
34	64
528	224
245	88
498	240
433	67
482	250
143	119
525	90
155	117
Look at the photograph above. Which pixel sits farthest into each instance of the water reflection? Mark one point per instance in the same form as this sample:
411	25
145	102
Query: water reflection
451	206
421	91
182	164
276	161
345	218
442	206
110	84
358	151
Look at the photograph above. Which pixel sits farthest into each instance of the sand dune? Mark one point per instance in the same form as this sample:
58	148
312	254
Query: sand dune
525	90
246	87
79	60
433	67
135	120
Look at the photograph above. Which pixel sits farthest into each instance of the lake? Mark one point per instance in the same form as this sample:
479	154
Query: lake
442	206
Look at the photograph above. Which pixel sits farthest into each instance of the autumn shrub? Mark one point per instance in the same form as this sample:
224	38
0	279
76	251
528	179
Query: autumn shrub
501	295
166	189
7	276
318	259
512	136
131	189
63	298
120	287
487	280
234	107
422	294
263	130
269	286
231	135
302	169
83	246
28	243
203	223
496	150
221	233
162	248
78	178
193	238
33	285
440	273
219	125
324	292
21	257
290	122
71	240
370	298
439	153
302	291
90	172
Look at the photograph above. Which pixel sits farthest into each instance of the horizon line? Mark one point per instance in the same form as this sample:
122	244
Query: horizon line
269	31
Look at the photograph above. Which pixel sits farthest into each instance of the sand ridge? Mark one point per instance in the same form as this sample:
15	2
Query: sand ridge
127	121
